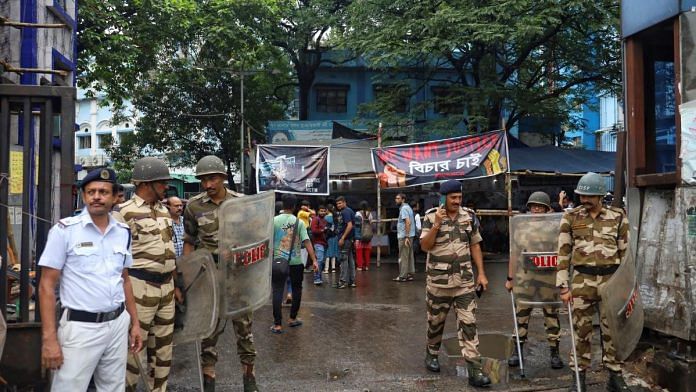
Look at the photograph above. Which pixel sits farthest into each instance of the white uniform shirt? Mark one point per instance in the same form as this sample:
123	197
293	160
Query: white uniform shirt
91	262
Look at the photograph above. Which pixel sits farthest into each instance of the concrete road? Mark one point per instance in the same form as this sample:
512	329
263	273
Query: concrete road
372	338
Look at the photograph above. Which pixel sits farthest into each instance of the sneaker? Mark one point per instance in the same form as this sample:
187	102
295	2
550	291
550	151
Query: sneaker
366	269
341	286
353	285
359	268
399	279
317	282
325	272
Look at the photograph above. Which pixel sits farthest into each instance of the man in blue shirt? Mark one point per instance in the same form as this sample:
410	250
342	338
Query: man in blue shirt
405	231
345	219
89	256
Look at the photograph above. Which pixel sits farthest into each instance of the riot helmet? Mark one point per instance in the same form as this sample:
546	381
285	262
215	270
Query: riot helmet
210	164
541	198
150	169
591	184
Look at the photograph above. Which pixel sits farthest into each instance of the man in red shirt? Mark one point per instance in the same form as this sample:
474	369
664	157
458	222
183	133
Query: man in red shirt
318	228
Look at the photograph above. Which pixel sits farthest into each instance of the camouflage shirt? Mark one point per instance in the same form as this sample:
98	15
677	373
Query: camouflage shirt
151	227
201	221
449	260
599	242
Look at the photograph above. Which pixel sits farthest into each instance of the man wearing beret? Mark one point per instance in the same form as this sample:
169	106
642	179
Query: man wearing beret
450	235
89	256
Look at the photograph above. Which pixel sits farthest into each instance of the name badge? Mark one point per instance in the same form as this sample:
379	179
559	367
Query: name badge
85	245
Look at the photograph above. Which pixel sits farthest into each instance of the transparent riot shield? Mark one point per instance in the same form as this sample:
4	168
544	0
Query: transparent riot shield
533	247
245	252
201	291
3	333
622	307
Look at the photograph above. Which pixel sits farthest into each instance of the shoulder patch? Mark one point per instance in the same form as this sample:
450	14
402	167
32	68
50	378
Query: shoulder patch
431	211
69	221
123	205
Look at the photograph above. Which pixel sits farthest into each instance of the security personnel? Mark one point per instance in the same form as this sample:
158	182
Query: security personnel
593	239
538	203
201	230
451	237
89	256
153	269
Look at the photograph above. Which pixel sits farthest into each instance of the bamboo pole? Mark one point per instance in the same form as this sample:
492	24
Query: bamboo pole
379	204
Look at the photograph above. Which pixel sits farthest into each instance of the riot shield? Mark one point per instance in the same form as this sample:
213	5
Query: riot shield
622	307
533	248
245	252
201	291
3	333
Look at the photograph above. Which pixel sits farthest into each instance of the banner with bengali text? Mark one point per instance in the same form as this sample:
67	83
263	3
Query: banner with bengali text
458	158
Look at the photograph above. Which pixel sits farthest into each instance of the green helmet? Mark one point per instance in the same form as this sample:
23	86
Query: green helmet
150	169
210	164
591	184
539	198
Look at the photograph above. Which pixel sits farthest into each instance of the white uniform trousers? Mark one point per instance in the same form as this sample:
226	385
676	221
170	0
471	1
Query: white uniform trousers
92	348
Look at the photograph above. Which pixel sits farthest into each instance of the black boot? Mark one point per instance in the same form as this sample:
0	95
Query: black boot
556	361
616	383
208	383
574	387
431	362
250	384
514	360
476	376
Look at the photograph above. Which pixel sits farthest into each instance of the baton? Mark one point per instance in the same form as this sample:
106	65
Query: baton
517	335
572	342
143	378
198	363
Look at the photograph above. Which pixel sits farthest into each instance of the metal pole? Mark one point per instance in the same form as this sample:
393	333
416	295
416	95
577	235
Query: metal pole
198	363
517	334
241	135
572	342
4	197
379	204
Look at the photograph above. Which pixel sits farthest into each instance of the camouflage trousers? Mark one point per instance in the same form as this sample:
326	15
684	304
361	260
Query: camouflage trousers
585	303
439	302
155	305
245	344
553	326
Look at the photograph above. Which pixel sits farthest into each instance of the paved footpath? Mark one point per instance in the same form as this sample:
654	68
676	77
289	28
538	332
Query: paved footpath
372	338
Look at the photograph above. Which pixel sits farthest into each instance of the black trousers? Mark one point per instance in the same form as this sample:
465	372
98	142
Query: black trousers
278	283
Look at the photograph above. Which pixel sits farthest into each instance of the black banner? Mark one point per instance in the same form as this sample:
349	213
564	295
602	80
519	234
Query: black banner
302	170
458	158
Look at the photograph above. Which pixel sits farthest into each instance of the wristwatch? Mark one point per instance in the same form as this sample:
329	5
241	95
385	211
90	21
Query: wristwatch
510	279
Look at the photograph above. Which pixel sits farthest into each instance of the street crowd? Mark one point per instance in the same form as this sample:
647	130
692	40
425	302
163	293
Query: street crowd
115	265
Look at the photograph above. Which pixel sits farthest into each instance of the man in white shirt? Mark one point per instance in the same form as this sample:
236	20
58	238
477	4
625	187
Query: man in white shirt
89	256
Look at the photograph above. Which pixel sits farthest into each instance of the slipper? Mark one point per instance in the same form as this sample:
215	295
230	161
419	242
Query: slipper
276	331
295	323
409	278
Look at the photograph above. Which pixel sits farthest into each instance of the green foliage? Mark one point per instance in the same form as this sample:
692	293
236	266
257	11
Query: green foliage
512	58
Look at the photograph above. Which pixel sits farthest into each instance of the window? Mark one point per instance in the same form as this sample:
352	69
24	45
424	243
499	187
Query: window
332	99
84	142
396	96
104	140
447	101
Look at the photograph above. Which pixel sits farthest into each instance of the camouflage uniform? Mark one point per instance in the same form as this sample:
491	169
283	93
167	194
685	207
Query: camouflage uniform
153	252
201	229
450	281
600	242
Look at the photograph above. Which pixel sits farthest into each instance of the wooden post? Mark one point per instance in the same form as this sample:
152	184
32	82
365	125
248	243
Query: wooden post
379	204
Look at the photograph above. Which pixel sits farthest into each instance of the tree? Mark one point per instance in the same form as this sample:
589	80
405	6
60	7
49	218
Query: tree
508	59
189	97
302	30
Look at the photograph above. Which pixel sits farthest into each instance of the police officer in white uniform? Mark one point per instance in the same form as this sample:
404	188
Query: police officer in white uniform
89	256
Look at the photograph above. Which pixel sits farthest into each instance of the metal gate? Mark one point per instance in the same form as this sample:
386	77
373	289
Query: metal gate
44	116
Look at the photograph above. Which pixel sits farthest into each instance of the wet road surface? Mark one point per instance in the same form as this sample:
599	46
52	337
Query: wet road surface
372	338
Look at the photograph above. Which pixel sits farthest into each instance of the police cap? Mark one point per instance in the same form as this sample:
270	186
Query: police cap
450	186
103	175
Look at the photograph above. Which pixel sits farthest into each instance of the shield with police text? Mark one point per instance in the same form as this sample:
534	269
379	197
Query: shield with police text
245	252
201	292
533	249
621	306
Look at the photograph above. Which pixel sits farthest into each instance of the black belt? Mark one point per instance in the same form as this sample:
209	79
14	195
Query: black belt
152	277
588	270
89	317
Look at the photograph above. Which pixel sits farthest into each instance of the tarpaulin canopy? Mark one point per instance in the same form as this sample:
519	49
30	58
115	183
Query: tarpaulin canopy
553	159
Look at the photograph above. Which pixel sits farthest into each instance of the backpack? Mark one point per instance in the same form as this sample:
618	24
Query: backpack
366	229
